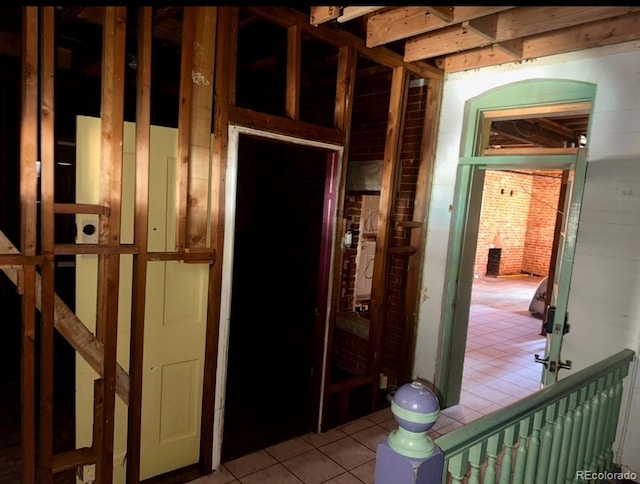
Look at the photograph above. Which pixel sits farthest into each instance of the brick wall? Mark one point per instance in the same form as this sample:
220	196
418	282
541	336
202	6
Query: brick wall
368	135
541	224
516	222
396	317
350	352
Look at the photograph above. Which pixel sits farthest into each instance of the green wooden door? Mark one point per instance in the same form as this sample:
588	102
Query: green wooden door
564	268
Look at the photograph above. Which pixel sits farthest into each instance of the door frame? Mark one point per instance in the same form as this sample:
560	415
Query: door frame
466	215
227	269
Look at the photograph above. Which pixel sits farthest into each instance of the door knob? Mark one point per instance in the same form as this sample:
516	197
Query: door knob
544	361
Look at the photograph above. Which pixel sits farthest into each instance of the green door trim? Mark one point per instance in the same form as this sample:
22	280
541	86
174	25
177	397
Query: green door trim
469	182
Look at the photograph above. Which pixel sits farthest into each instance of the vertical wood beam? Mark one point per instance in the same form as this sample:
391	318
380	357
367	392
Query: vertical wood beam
47	307
395	125
200	127
140	236
28	195
184	122
433	98
294	70
112	126
225	61
342	114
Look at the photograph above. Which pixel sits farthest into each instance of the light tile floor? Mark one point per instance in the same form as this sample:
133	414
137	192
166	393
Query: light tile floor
498	370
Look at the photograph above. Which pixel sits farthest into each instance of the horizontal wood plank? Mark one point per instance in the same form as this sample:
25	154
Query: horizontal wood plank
350	13
279	125
322	14
529	151
71	249
83	208
73	459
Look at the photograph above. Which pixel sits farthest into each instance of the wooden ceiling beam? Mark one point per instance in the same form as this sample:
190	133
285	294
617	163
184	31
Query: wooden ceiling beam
350	13
286	17
593	34
510	25
404	22
530	132
320	15
443	13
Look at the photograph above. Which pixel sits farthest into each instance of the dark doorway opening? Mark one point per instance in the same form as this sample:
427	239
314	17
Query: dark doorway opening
276	282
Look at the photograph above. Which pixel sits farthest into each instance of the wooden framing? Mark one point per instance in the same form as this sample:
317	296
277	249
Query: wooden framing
211	26
184	125
320	15
47	143
294	68
420	216
395	125
199	150
140	236
505	26
343	111
28	196
225	62
110	194
338	37
404	22
350	13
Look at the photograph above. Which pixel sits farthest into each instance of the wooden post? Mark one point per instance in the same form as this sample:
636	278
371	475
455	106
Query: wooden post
200	110
345	82
47	308
140	236
28	195
184	121
224	93
395	124
433	99
294	69
110	196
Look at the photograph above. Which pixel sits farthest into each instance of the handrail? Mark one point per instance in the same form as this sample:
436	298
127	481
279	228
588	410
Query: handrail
465	437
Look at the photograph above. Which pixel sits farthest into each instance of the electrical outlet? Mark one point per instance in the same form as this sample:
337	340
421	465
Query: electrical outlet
86	474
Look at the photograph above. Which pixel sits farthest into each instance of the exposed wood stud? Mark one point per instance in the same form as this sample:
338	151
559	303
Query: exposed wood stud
514	48
47	166
395	126
198	193
227	29
28	196
140	238
81	208
433	98
72	329
320	15
184	125
73	459
342	116
294	71
112	126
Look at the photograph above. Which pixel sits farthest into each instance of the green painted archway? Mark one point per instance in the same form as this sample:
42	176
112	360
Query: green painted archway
467	202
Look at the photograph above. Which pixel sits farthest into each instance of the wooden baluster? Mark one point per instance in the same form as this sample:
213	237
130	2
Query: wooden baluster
584	434
534	447
493	447
576	433
545	445
521	453
557	439
603	424
476	456
458	465
616	401
507	458
593	425
565	447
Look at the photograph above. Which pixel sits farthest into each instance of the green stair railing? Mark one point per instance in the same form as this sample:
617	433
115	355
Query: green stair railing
556	435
